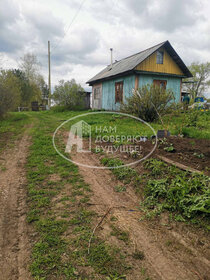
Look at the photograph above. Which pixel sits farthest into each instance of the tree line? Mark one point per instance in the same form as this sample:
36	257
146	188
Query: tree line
19	87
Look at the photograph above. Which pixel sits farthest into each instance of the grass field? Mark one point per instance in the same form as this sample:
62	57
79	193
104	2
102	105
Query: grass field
193	124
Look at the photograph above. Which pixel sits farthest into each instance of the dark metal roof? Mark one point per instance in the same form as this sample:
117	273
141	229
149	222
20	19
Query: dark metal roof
127	65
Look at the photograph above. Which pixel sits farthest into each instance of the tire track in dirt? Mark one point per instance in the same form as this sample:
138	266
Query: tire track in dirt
162	264
14	230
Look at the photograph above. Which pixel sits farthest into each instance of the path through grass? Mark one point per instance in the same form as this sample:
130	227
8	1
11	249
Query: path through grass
58	199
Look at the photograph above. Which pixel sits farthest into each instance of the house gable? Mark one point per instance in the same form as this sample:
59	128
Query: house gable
169	66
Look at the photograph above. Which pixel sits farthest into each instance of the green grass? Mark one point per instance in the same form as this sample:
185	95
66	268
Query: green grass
185	195
120	188
11	127
120	234
124	174
166	188
193	124
54	254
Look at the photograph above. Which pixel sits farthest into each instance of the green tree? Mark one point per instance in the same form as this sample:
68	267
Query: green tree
26	88
198	84
10	92
69	94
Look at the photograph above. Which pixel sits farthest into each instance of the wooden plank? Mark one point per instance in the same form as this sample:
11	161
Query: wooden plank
169	65
179	165
136	82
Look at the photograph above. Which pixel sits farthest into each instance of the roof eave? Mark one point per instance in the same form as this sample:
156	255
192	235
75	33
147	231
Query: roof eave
110	77
158	73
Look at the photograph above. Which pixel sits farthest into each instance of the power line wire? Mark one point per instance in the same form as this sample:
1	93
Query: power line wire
75	16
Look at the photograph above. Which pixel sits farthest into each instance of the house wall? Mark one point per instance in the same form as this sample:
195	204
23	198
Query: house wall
173	83
168	66
133	82
108	92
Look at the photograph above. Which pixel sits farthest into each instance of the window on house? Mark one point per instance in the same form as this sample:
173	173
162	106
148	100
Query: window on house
159	57
160	83
97	92
119	92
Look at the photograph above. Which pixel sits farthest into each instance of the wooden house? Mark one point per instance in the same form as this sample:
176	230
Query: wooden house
159	65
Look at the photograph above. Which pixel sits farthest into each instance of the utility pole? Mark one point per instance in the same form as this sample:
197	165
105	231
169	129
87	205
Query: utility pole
49	77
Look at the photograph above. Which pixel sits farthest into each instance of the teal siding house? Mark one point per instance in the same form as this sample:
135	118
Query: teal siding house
159	65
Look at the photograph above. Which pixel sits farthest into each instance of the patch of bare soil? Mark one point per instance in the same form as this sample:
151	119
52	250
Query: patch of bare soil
14	230
194	153
169	252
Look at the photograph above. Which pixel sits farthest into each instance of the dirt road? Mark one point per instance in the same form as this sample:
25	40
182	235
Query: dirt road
169	251
184	263
14	235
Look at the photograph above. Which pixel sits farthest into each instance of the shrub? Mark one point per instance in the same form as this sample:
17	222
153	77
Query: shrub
149	102
59	109
70	95
191	118
9	92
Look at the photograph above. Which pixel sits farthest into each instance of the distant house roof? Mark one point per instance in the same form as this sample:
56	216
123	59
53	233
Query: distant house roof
127	65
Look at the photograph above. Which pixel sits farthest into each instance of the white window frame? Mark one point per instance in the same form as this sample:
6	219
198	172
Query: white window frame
160	57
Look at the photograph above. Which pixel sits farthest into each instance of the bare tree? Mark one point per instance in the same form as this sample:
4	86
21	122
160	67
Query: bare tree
30	66
200	80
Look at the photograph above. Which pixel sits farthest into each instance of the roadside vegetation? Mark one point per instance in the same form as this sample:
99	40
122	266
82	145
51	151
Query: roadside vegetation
185	196
58	200
12	127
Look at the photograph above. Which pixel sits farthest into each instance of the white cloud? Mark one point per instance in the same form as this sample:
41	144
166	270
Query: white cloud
81	49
